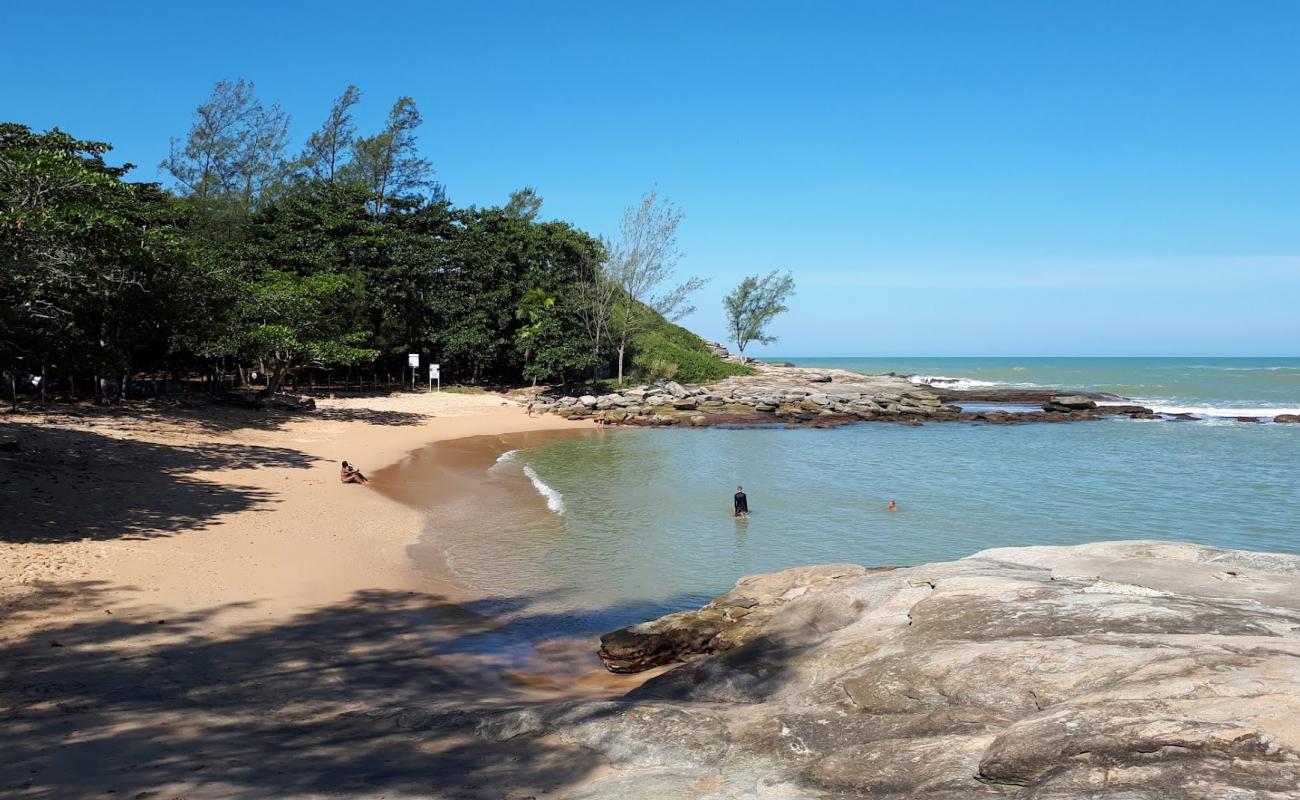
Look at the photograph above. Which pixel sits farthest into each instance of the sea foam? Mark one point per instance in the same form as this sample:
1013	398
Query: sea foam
944	382
554	500
1228	412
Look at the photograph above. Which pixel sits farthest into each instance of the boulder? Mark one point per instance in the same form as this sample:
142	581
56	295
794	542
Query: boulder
1136	670
1287	418
685	404
587	400
819	378
727	622
1069	402
675	389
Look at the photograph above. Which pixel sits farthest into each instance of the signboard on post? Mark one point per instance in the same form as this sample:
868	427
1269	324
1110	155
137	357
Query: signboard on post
435	374
413	361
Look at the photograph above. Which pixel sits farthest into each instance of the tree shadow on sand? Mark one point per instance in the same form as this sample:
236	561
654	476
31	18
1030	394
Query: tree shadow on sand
118	699
67	484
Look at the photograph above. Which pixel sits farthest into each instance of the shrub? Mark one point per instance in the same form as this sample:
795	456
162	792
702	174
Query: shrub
666	351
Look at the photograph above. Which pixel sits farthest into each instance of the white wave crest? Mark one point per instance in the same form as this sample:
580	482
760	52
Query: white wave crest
554	500
944	382
508	455
1211	412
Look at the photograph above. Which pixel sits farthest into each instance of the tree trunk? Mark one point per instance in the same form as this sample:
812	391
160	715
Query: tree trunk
621	348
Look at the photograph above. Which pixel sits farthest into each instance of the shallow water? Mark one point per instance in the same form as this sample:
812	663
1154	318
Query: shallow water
576	534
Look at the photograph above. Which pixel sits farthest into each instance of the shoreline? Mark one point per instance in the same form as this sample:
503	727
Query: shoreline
182	586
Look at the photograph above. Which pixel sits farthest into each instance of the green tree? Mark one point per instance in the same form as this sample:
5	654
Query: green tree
234	152
755	303
388	164
640	265
87	261
327	149
285	321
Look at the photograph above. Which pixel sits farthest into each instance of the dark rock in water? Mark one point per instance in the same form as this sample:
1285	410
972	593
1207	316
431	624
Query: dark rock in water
727	622
1128	410
1181	417
1012	396
1248	419
1069	402
1287	418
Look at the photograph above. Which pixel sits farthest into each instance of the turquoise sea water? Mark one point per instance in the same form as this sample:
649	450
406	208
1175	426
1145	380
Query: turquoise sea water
608	528
1208	386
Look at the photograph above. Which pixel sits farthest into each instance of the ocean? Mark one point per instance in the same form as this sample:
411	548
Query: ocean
580	534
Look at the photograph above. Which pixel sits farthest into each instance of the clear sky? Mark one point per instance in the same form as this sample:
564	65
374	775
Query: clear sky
943	178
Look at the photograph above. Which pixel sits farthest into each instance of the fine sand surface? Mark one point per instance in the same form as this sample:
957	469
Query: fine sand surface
191	602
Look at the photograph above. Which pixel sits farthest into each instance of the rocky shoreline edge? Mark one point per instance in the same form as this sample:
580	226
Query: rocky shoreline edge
1140	670
789	395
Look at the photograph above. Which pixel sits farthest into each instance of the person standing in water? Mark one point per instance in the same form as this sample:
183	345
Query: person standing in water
741	503
893	506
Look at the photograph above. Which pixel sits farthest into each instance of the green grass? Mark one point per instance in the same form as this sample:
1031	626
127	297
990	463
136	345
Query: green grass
667	351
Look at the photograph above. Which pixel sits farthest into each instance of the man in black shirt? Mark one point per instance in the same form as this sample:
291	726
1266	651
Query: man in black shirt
742	502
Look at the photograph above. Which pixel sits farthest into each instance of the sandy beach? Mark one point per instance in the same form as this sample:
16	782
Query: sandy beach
191	599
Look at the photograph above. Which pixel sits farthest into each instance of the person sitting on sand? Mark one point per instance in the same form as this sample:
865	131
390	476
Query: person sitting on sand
350	474
741	502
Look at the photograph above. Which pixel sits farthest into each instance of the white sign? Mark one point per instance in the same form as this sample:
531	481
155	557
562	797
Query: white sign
434	371
413	360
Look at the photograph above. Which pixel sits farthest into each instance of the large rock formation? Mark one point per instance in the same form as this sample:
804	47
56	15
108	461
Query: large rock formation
815	397
1122	670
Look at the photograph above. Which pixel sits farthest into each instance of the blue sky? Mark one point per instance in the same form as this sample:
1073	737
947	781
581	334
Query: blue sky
944	178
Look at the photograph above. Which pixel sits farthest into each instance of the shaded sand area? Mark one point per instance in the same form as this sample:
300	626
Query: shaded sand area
191	604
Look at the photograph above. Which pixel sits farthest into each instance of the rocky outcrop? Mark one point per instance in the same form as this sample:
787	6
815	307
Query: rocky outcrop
1068	403
799	396
1120	670
727	622
1287	418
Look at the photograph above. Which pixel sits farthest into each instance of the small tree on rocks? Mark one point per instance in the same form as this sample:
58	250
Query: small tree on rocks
755	303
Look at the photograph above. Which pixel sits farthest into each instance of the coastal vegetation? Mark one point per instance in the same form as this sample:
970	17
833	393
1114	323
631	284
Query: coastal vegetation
347	256
755	303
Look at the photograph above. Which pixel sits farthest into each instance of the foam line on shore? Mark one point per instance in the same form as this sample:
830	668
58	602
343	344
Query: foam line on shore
554	500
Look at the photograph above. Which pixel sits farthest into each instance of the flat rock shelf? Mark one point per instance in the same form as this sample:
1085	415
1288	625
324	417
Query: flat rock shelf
1140	670
824	398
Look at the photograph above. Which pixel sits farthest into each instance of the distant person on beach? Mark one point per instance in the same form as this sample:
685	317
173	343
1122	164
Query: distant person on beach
602	417
742	502
350	474
530	408
893	506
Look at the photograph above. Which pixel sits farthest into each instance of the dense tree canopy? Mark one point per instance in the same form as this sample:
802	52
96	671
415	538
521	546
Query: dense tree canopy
346	255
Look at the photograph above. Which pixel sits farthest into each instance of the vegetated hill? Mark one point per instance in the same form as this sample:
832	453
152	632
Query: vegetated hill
663	350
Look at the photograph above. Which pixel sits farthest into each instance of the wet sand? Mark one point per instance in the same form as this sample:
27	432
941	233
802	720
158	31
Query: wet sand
467	498
192	605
